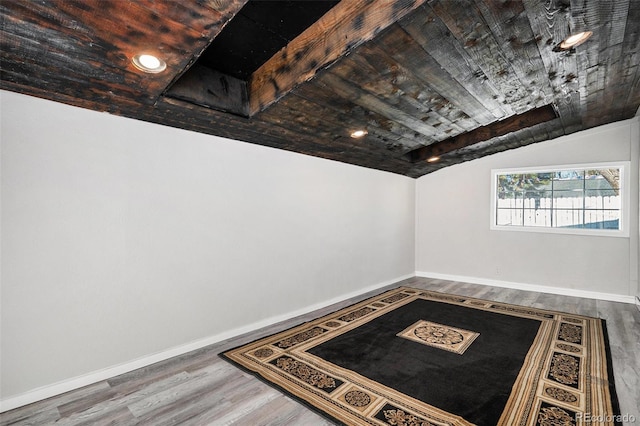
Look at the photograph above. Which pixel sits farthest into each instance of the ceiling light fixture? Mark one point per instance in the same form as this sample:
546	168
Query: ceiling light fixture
573	40
433	159
358	133
149	63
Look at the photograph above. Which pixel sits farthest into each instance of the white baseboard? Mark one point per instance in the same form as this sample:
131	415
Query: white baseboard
530	287
109	372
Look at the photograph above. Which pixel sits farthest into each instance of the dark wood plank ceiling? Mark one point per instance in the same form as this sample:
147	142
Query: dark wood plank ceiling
459	79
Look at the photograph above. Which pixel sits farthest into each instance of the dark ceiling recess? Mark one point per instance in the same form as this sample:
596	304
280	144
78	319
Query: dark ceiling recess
219	79
257	32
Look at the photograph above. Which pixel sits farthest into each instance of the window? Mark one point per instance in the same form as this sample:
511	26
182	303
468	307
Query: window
578	199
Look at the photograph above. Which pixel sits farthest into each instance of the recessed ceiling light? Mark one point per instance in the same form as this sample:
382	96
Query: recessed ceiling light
574	40
149	63
358	133
433	159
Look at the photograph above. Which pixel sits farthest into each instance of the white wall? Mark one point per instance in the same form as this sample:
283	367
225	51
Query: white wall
122	239
453	236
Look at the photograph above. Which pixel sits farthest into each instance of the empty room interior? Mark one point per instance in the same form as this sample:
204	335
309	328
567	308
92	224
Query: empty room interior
389	212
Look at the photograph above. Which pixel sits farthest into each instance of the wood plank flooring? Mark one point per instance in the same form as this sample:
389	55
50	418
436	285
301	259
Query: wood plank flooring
199	388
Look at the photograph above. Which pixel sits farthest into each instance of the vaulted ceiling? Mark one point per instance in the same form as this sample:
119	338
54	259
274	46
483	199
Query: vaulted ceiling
448	79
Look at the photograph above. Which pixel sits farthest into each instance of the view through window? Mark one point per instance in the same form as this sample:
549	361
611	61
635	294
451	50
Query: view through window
569	198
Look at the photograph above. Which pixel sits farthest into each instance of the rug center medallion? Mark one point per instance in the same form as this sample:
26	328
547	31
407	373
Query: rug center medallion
439	336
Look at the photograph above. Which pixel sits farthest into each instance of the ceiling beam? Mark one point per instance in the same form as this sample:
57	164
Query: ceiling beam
498	128
346	26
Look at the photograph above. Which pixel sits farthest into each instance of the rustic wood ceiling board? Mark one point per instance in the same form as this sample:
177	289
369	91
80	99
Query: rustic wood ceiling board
468	26
592	94
428	30
372	102
132	28
550	25
320	94
500	128
403	49
357	69
592	57
43	56
390	90
402	138
286	114
408	89
510	26
337	127
607	80
347	25
84	88
366	62
98	39
352	117
227	8
590	15
331	96
623	53
631	53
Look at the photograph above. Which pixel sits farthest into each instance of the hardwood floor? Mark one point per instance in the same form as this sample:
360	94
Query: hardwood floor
199	388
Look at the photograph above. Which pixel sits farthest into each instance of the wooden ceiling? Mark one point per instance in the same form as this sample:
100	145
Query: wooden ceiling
457	79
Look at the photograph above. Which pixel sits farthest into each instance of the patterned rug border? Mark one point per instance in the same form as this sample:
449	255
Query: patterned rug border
433	416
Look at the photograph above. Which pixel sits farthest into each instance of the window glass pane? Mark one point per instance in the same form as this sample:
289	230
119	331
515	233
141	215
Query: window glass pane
587	198
537	217
568	193
567	218
509	217
602	219
603	179
600	193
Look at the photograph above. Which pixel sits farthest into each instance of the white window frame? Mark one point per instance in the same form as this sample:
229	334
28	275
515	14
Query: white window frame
625	193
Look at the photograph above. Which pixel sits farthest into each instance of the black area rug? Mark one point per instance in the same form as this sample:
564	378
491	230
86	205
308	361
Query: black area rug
414	357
